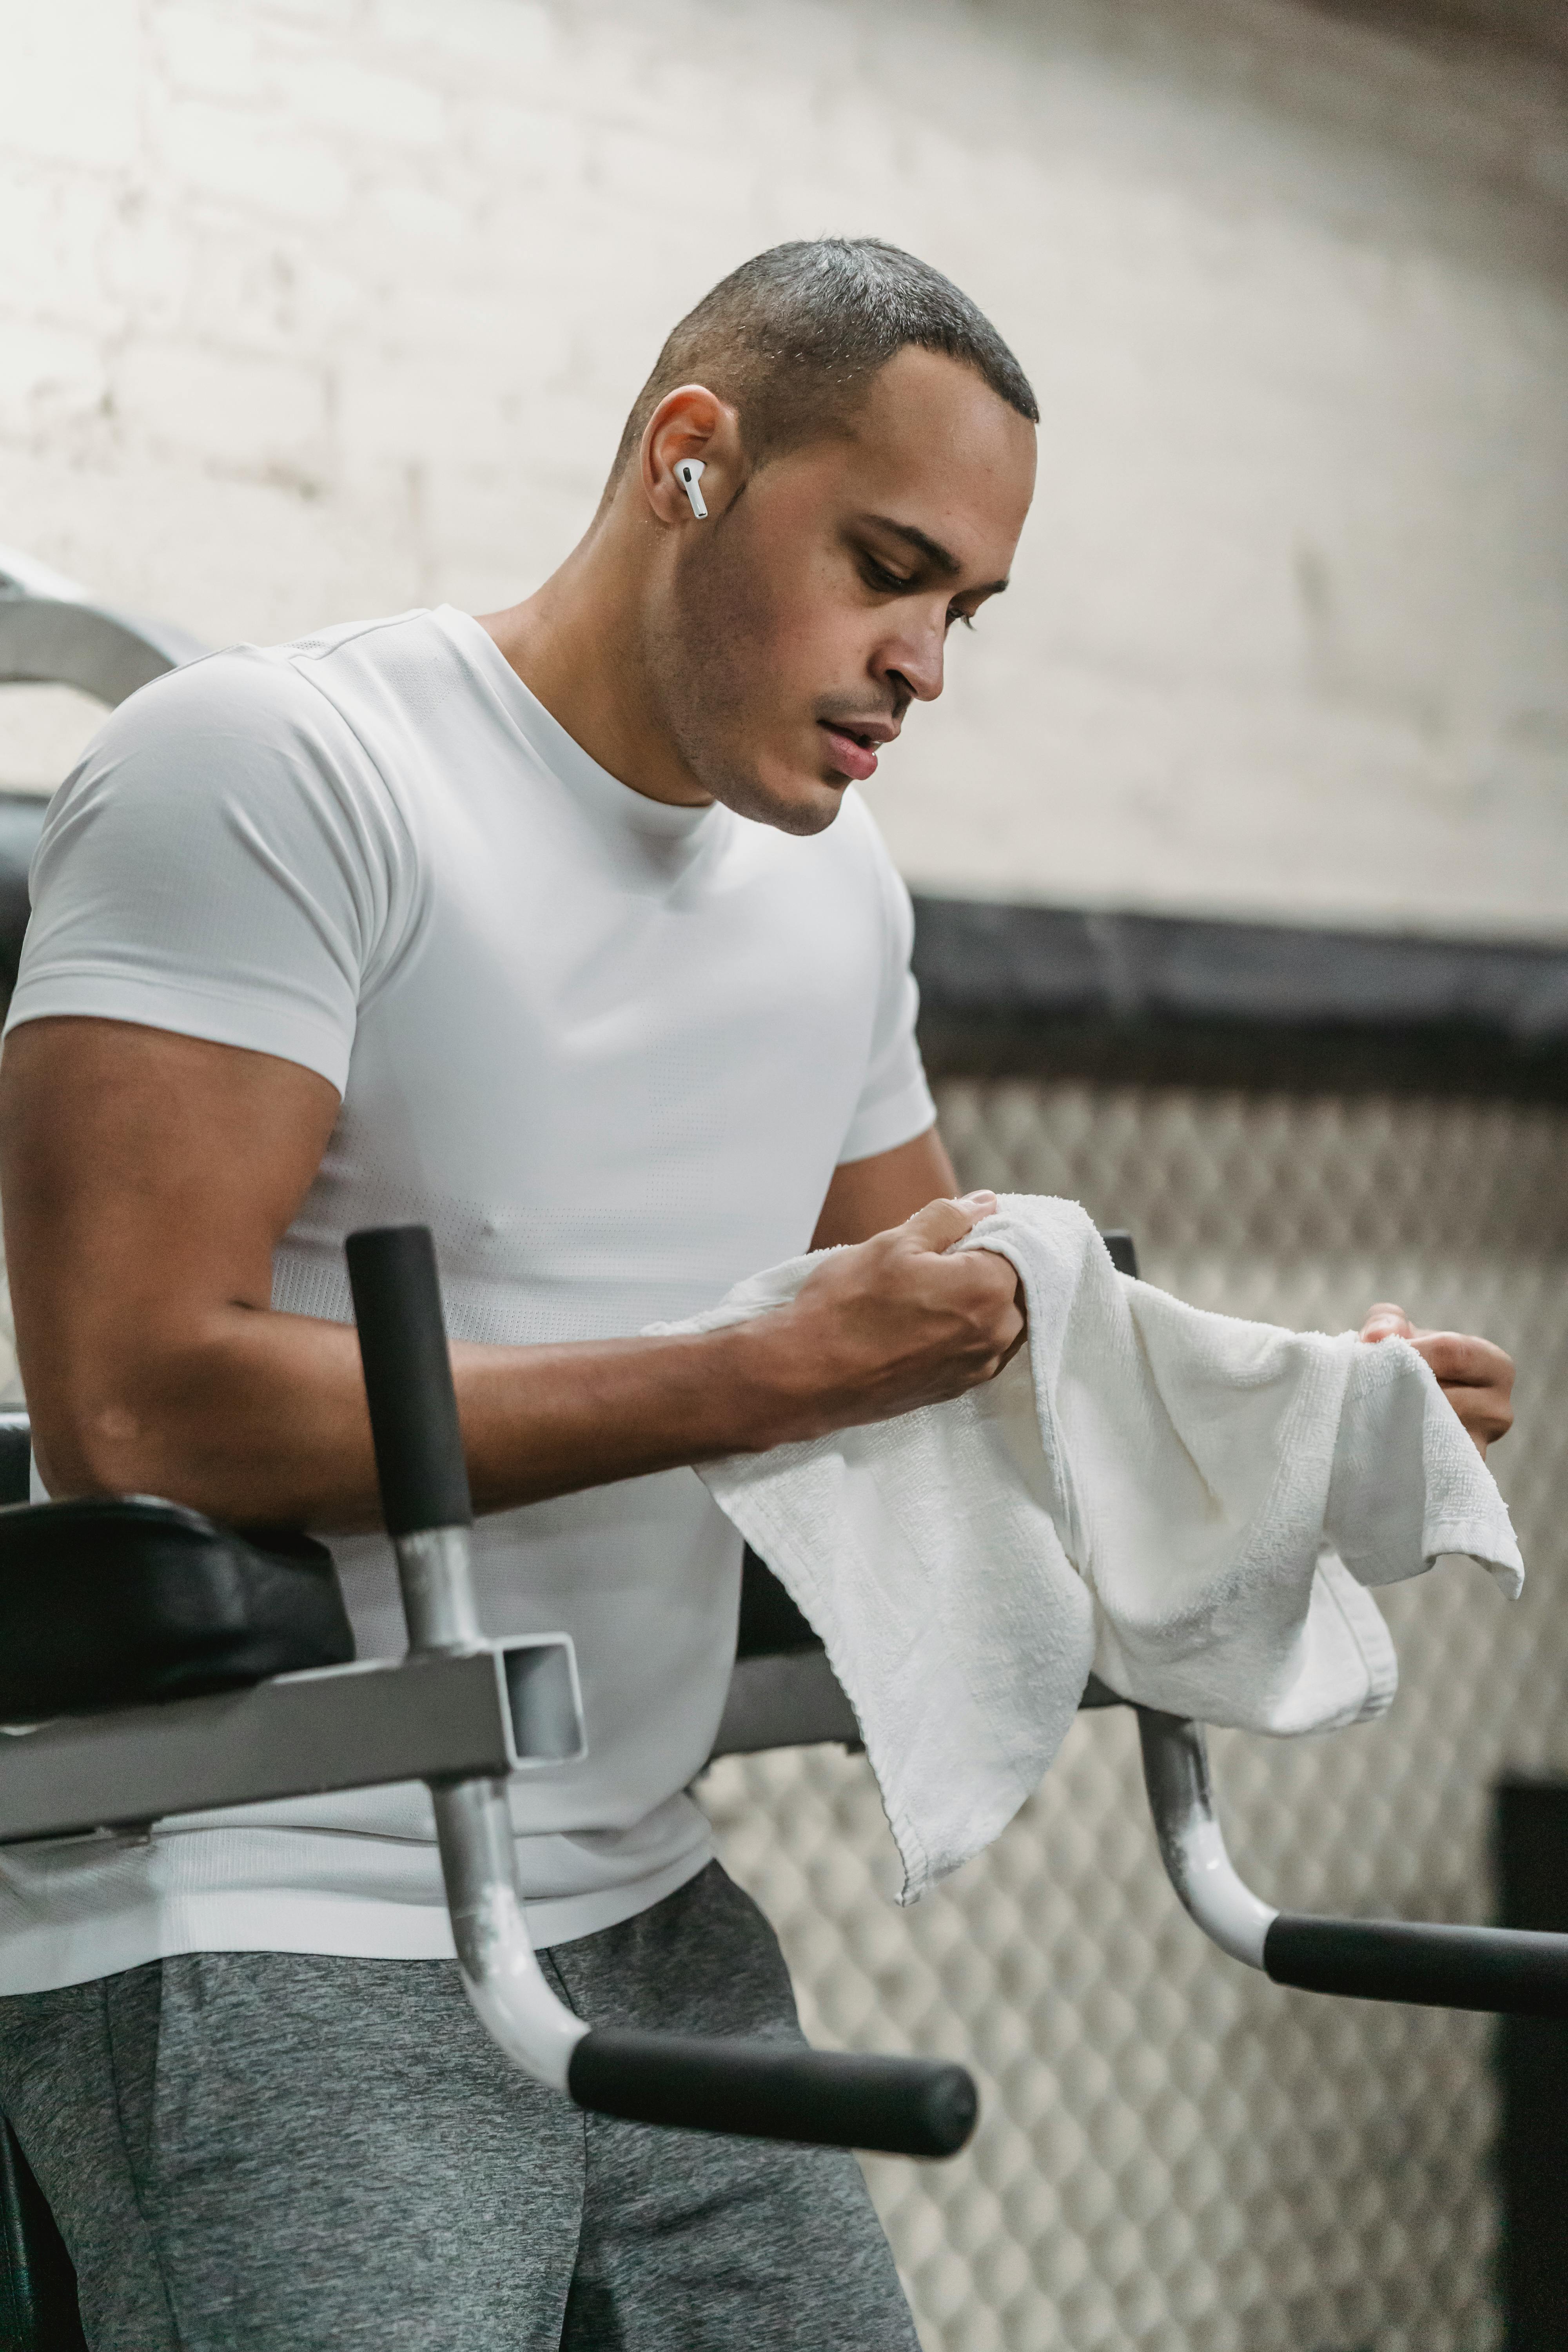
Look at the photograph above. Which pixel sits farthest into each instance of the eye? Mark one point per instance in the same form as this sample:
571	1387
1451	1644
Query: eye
876	575
955	615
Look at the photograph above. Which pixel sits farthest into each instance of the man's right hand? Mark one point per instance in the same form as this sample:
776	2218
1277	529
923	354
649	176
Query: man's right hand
892	1323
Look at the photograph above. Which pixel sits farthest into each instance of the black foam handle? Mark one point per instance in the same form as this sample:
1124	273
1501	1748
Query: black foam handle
763	2090
408	1379
1506	1971
1121	1249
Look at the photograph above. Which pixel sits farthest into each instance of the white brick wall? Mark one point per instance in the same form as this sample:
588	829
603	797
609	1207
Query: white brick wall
318	307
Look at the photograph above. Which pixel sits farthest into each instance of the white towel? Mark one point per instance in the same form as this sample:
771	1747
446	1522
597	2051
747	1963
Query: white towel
1189	1504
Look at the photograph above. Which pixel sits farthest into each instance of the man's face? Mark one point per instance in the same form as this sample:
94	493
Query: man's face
810	613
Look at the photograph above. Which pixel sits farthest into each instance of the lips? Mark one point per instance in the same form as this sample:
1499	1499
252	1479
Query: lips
852	754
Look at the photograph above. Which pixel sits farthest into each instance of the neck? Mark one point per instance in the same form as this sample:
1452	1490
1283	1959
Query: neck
578	644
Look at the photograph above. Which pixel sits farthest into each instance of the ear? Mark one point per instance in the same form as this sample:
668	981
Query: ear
690	422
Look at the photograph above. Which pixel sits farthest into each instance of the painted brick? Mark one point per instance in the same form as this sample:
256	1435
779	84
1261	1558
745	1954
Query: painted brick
528	146
229	407
508	36
211	52
1289	632
423	405
72	82
341	96
54	225
48	375
149	264
264	163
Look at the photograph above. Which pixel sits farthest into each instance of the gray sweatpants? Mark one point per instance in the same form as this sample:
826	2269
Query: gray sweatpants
278	2150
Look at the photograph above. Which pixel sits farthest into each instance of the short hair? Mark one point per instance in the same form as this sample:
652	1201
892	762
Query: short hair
792	338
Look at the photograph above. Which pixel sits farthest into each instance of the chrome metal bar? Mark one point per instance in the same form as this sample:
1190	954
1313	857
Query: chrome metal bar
501	1974
486	1711
53	632
1507	1971
435	1570
1176	1775
906	2105
791	1700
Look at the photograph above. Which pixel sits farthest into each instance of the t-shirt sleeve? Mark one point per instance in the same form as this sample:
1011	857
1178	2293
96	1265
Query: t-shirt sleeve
895	1103
226	863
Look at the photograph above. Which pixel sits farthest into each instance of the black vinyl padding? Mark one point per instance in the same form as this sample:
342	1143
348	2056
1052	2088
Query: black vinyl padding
21	822
1505	1970
770	1625
770	2090
124	1603
15	1466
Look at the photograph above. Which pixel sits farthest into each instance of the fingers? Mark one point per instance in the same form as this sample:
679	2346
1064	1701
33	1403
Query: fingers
1459	1359
899	1322
1003	1294
942	1223
980	1283
1023	1335
1462	1361
1387	1322
1476	1377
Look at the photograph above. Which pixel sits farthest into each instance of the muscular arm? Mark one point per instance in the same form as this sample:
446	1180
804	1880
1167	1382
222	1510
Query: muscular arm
866	1196
147	1178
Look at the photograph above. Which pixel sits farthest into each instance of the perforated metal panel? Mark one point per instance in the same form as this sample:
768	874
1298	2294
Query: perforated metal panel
1176	2155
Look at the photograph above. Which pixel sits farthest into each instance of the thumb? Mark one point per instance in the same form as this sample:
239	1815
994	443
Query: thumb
942	1223
1387	1322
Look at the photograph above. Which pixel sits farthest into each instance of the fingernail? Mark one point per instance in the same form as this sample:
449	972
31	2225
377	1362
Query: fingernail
978	1201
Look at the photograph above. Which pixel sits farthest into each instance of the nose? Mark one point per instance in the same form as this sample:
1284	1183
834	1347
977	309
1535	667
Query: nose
911	661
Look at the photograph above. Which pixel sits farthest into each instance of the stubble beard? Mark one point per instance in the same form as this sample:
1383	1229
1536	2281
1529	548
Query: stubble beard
707	657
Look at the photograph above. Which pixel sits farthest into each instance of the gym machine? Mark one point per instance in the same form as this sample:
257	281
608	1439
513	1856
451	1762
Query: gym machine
151	1663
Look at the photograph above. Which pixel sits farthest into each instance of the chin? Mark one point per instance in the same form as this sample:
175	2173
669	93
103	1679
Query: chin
791	804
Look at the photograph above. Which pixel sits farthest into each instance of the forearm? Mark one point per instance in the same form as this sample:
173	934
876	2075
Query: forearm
148	1178
260	1418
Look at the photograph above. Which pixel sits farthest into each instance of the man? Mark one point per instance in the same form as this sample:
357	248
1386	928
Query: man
564	933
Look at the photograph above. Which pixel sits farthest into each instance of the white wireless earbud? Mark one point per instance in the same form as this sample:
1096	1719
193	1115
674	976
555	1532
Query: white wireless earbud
689	474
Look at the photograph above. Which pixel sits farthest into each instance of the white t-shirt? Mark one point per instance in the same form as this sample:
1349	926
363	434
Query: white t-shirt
608	1050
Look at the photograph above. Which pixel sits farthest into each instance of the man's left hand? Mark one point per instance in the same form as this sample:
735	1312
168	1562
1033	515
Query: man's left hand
1476	1376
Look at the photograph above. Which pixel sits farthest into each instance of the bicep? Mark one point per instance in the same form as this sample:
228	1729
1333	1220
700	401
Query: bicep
146	1177
868	1196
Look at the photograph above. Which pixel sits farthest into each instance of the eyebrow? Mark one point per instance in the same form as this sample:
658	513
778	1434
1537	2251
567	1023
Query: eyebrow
941	558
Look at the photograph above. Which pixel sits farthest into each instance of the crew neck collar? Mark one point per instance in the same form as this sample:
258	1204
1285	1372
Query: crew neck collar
562	752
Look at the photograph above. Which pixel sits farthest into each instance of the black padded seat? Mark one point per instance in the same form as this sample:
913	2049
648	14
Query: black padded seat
770	1625
109	1604
124	1603
15	1466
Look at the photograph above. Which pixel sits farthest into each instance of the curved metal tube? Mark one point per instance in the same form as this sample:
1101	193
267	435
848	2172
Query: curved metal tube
1506	1971
501	1974
435	1576
1192	1847
55	633
766	2089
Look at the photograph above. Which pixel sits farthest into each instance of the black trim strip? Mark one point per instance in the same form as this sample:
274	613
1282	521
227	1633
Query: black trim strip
1061	991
